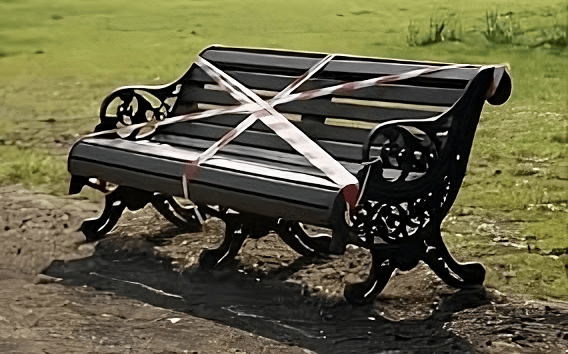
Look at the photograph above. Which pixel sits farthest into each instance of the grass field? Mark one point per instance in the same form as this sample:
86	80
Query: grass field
59	59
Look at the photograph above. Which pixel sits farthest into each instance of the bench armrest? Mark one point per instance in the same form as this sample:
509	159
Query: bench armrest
137	104
403	146
480	85
503	90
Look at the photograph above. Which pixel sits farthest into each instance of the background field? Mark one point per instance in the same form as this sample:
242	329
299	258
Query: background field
58	60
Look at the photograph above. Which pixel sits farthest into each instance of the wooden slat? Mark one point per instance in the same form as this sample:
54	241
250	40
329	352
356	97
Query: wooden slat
113	156
314	129
184	149
240	201
390	92
350	66
154	158
267	140
383	104
124	177
246	202
317	106
284	61
303	54
277	159
267	186
324	134
223	173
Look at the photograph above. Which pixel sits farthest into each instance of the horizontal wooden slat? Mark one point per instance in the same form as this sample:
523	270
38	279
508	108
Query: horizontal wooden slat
130	160
267	140
219	172
124	177
329	135
246	202
390	92
277	159
203	193
184	149
157	157
314	129
267	186
317	106
394	105
346	65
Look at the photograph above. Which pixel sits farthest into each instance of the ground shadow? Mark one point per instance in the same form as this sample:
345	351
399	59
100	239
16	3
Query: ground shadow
268	307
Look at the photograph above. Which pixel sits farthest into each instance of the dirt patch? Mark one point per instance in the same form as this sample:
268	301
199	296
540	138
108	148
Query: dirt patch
38	315
269	290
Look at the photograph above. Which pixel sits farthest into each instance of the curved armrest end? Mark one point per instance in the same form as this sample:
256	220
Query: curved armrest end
503	90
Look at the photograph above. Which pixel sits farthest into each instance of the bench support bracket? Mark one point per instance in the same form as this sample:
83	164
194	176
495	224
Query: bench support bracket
429	249
294	235
241	226
134	199
237	229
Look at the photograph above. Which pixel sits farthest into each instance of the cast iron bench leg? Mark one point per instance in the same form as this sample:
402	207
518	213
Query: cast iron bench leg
431	250
96	228
115	202
241	226
185	218
294	235
438	257
381	270
236	231
123	197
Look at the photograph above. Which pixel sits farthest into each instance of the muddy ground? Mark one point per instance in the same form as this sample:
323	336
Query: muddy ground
138	291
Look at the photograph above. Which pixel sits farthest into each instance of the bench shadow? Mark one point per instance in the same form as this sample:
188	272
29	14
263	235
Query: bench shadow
267	307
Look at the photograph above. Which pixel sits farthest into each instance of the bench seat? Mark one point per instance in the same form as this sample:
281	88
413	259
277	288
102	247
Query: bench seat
277	189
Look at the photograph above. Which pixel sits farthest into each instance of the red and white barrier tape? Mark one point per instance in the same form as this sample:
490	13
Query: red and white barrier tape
283	127
257	115
251	103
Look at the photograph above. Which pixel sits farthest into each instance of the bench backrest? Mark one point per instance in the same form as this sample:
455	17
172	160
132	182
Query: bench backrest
340	124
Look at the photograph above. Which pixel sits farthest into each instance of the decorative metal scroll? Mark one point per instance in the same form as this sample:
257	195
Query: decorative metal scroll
135	105
411	150
396	222
407	153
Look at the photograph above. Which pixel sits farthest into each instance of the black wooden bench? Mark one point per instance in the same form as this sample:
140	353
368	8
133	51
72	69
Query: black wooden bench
407	142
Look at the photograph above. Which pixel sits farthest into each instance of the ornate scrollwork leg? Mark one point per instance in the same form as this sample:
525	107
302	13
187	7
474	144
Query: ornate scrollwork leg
115	202
295	236
445	266
236	231
381	270
185	218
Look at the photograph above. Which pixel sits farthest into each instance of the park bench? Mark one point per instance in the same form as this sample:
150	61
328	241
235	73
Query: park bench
405	140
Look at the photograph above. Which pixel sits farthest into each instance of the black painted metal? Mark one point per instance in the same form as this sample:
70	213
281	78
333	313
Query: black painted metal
243	225
238	228
295	236
410	171
134	199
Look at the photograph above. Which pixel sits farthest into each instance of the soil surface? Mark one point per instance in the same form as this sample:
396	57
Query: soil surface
138	290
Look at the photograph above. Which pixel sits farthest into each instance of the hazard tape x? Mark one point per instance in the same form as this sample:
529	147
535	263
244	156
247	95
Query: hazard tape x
259	109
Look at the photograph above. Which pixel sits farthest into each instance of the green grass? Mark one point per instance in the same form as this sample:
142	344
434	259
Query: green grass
33	169
58	60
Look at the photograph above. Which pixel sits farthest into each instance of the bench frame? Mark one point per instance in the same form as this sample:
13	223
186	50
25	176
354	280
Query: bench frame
398	221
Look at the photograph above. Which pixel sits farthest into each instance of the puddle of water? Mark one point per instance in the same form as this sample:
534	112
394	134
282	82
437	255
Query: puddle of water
267	307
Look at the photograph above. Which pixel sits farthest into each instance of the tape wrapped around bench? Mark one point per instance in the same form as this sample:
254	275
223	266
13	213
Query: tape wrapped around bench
258	163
